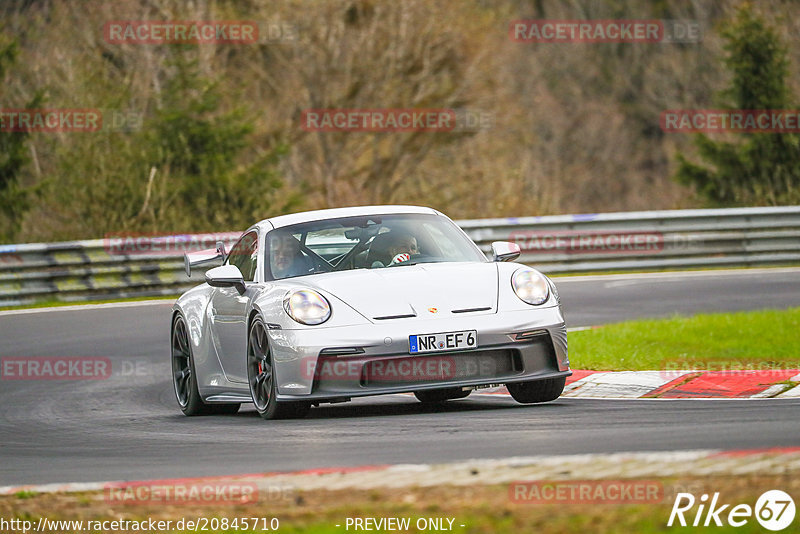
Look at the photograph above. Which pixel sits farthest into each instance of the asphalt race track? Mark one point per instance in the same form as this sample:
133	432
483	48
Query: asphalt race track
128	427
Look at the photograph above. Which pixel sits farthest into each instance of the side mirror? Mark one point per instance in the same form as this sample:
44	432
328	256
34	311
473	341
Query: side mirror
190	259
505	251
226	276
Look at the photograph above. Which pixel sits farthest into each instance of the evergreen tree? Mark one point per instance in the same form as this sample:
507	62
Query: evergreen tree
763	168
14	198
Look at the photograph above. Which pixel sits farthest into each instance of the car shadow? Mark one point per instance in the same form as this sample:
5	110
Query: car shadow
399	408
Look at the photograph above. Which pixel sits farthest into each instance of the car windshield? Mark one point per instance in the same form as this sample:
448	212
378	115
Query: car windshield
366	242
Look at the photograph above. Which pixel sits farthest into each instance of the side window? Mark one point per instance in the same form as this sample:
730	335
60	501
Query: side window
244	255
286	260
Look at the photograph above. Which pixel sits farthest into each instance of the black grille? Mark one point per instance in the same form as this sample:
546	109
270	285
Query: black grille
443	367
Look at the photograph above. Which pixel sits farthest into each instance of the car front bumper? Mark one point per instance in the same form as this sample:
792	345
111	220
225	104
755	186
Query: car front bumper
341	362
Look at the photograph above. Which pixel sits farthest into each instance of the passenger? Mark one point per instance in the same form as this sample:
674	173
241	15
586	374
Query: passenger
285	257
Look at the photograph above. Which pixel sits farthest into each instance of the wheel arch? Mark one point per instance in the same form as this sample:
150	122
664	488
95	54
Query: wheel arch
252	315
175	313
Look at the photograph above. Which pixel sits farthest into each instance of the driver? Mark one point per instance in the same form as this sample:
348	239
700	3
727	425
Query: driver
286	259
402	247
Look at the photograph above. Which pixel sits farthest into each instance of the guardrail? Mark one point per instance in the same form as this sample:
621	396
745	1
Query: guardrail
128	266
649	240
115	267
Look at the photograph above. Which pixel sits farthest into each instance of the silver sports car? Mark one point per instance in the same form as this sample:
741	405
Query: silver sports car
328	305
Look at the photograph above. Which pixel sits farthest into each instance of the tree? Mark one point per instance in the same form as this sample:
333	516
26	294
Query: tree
191	166
763	168
203	152
14	198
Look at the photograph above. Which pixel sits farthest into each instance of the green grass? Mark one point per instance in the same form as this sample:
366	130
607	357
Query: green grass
767	339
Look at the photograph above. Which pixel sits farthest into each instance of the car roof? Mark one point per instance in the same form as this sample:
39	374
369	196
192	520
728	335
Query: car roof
356	211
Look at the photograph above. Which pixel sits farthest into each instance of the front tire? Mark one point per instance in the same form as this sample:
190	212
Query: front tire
184	376
537	390
261	377
440	395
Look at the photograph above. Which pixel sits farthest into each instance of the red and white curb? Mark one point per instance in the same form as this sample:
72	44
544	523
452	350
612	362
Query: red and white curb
687	384
624	465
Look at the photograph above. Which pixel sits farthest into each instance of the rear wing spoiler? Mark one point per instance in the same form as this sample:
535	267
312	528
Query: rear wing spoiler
202	257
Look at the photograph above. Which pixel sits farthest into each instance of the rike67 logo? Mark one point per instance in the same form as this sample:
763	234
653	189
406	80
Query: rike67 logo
774	510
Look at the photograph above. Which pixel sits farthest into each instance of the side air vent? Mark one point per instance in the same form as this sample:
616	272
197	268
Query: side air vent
530	335
341	351
470	310
401	316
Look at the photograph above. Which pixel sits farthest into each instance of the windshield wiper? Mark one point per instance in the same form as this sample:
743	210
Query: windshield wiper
415	262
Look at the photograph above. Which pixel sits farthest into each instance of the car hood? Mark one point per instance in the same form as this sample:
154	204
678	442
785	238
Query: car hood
423	290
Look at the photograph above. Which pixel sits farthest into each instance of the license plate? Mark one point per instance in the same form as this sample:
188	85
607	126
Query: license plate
468	339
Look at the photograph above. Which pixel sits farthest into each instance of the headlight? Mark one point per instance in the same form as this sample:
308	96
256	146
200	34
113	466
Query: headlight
530	286
307	307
